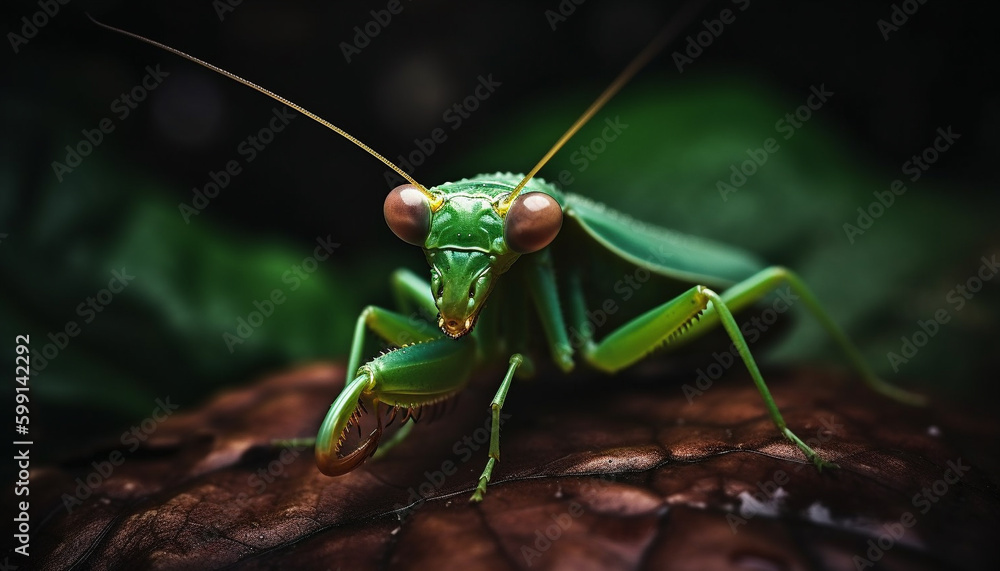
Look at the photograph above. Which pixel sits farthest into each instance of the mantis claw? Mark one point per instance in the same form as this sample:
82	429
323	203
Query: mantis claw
330	457
332	462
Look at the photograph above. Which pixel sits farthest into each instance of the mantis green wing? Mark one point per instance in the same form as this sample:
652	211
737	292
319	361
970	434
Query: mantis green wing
661	251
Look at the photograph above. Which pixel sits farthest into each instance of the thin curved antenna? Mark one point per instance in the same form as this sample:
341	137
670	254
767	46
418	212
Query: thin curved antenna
666	35
434	200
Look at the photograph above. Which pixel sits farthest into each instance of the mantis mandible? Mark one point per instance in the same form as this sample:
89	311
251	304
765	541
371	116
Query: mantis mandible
476	230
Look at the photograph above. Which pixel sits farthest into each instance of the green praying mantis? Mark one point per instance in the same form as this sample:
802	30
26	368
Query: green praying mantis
531	249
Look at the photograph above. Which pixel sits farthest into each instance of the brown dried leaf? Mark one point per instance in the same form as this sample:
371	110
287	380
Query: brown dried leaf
622	474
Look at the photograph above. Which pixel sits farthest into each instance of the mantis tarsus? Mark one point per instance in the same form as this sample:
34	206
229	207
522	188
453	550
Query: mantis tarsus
474	231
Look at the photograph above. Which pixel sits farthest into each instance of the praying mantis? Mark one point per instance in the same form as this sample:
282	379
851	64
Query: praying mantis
508	250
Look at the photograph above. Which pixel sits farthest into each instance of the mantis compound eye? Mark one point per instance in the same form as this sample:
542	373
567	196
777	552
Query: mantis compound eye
408	214
532	222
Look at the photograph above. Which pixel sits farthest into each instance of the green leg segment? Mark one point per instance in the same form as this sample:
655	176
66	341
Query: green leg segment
754	288
393	327
770	279
495	407
671	320
542	285
413	295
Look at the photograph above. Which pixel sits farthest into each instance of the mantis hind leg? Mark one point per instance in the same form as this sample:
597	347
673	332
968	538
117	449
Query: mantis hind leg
771	279
669	322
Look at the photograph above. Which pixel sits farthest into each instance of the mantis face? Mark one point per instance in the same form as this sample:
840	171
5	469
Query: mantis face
470	238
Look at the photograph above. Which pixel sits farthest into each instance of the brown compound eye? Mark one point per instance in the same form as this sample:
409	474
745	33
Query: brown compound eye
532	222
408	214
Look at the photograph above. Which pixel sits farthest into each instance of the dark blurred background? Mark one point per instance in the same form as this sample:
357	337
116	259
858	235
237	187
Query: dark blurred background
163	334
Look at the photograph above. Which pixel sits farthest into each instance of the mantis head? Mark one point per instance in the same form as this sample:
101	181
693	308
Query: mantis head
471	235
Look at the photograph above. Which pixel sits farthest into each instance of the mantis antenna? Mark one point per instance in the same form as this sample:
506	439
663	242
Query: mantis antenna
434	200
665	36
